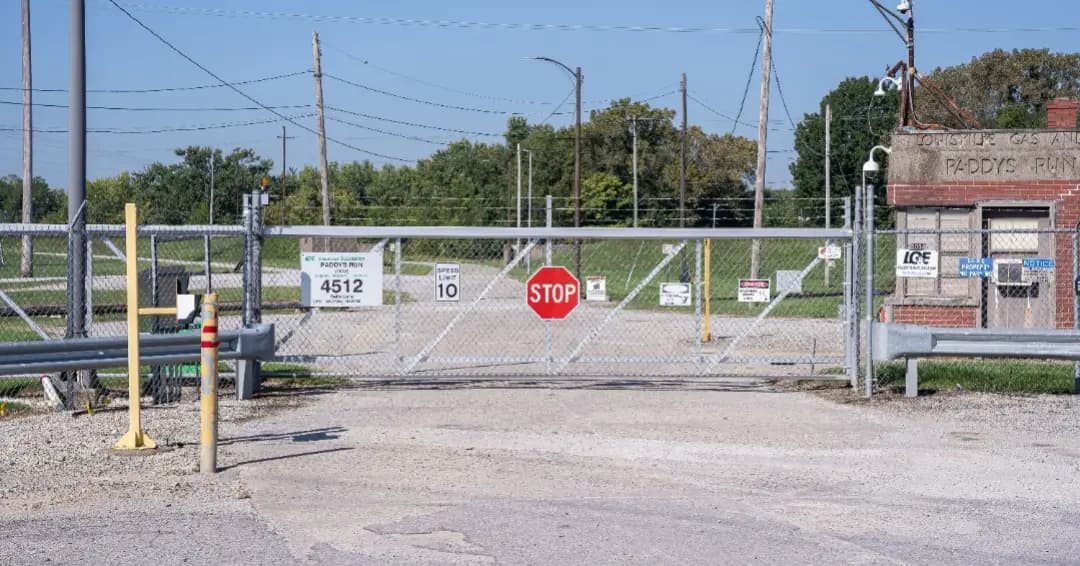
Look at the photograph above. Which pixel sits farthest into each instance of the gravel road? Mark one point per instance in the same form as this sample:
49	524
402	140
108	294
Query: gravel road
609	473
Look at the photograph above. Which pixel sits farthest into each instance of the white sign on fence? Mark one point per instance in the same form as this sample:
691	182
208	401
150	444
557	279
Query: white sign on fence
829	252
447	282
755	290
596	289
674	294
917	263
341	279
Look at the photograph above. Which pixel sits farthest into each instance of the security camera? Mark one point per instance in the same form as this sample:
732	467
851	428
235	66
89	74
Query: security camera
904	7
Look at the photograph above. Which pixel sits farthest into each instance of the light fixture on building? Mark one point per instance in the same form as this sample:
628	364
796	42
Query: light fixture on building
872	166
890	80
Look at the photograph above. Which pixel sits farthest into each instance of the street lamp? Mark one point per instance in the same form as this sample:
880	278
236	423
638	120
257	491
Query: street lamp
576	73
871	167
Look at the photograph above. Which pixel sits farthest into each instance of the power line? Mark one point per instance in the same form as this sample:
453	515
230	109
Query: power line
385	132
164	108
465	24
198	128
165	89
242	93
418	100
413	124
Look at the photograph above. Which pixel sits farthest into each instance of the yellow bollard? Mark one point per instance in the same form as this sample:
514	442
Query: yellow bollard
209	398
705	291
135	438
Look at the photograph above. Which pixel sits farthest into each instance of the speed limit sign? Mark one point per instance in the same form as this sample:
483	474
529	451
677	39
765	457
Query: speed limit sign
447	282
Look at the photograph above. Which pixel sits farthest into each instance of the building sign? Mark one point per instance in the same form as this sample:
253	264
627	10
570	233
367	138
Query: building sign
447	282
596	289
985	155
914	263
674	294
341	279
976	267
755	291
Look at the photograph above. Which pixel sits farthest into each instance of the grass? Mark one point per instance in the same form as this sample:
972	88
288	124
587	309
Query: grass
997	376
10	409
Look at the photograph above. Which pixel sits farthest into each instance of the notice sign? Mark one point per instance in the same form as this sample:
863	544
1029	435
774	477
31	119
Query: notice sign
1039	263
976	267
829	252
674	294
917	263
341	279
596	289
447	282
755	291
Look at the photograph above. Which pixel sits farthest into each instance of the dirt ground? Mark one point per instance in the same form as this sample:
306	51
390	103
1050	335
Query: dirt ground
617	472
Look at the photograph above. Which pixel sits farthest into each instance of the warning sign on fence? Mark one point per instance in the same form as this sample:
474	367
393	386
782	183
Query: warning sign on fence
674	294
596	289
755	291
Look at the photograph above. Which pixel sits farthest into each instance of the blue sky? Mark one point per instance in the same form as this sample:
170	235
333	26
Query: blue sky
811	57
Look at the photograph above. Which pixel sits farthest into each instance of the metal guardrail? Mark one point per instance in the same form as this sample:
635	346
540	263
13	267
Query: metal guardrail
22	358
910	342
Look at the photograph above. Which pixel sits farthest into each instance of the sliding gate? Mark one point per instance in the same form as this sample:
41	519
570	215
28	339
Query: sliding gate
453	303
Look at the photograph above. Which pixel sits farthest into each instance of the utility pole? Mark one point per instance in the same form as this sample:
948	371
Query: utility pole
684	272
633	133
284	177
577	173
907	111
763	133
27	265
323	179
76	322
828	180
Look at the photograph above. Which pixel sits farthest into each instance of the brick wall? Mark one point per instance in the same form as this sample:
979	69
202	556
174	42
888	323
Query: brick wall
1065	195
952	317
1061	114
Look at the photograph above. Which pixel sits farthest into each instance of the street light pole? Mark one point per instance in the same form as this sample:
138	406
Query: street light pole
576	73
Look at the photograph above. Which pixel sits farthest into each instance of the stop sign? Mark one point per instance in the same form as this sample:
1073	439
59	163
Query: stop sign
553	293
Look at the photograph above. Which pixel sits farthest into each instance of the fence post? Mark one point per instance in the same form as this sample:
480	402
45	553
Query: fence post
247	371
853	316
1076	297
209	391
869	290
698	322
547	262
400	360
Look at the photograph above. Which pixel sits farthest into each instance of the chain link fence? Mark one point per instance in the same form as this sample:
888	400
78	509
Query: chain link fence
35	307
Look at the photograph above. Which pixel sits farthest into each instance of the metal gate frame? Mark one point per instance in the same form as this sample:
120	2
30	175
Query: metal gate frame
557	366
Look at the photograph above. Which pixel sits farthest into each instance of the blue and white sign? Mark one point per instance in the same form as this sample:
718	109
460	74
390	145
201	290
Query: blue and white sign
1031	263
976	267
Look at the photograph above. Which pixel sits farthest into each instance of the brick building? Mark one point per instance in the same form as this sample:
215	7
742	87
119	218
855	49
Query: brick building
998	180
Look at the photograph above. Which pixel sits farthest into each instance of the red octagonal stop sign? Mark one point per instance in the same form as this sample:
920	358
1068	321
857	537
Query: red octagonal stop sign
553	292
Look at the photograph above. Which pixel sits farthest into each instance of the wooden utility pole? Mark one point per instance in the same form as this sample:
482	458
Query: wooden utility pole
284	177
27	265
763	133
323	174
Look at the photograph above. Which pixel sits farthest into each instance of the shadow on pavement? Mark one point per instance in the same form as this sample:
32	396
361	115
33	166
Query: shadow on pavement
286	457
313	435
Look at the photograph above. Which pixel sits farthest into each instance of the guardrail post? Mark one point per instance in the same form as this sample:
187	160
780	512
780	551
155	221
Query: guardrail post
911	380
209	390
135	438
